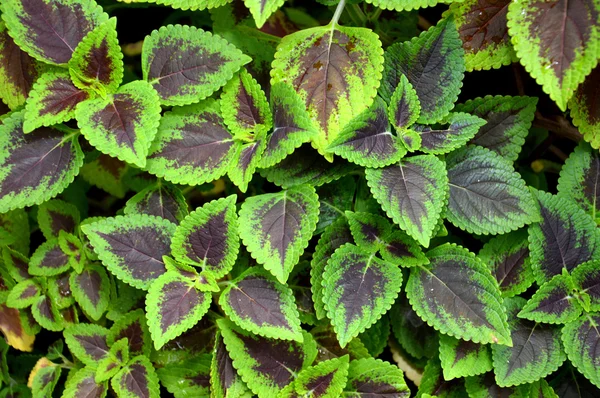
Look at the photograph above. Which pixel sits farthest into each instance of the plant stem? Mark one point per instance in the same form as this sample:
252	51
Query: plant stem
356	14
338	12
561	127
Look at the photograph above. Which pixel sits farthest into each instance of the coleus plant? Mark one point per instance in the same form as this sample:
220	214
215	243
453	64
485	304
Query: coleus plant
265	200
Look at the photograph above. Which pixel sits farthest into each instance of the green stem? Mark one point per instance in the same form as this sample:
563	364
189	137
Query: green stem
338	12
356	14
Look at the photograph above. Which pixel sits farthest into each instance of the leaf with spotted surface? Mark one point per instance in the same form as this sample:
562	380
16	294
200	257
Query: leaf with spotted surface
584	108
137	380
161	199
91	289
87	342
581	340
49	260
553	302
224	378
83	384
187	378
374	377
463	358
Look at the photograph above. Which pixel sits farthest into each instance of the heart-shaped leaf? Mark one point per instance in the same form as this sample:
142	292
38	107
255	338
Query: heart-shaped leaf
87	342
137	380
91	288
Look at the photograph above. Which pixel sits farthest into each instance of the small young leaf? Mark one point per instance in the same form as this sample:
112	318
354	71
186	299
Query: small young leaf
587	280
412	193
161	199
37	166
133	327
23	294
401	249
50	30
433	64
192	145
276	228
374	377
16	264
358	289
461	128
91	289
59	291
457	295
83	384
370	231
245	161
404	108
553	302
463	358
190	378
508	258
137	380
55	216
112	363
508	122
581	340
262	306
367	140
565	238
487	196
49	260
261	10
224	379
107	173
327	379
185	64
87	342
535	353
208	237
583	109
122	125
132	247
45	313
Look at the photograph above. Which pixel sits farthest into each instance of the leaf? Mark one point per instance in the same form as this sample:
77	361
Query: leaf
87	342
45	313
192	145
484	386
224	379
261	10
106	173
463	358
133	327
161	199
91	289
374	377
434	65
59	291
508	122
367	140
23	294
18	71
16	264
124	124
55	216
326	379
37	166
97	62
335	70
370	231
457	295
48	260
208	237
508	258
14	329
401	249
335	198
536	351
132	247
375	338
266	365
587	281
39	26
579	179
244	106
137	380
173	305
358	289
583	109
261	305
44	379
187	378
563	239
553	302
185	64
112	363
557	54
405	5
292	126
461	128
433	383
482	28
246	159
412	193
404	108
14	230
83	384
276	227
487	196
581	340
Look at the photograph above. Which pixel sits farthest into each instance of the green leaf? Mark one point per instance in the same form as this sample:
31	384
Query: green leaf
59	291
433	383
48	260
553	302
190	378
404	108
37	166
245	160
46	313
370	231
91	289
487	196
83	382
304	59
276	227
55	216
261	10
292	126
401	249
45	380
186	65
558	55
329	347
112	363
52	100
192	146
14	230
97	62
106	173
587	281
563	239
463	358
484	386
261	305
371	377
412	193
327	379
376	337
508	258
224	379
406	5
581	340
192	5
508	122
161	199
535	353
457	295
461	127
133	327
137	380
583	109
23	294
367	140
136	108
132	247
16	264
208	237
358	289
87	342
266	365
434	65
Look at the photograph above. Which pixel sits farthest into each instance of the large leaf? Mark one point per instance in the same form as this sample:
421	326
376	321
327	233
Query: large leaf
185	64
558	42
37	166
188	378
137	380
553	302
192	146
87	342
434	65
224	379
461	127
457	295
582	344
412	193
123	124
462	358
375	378
358	289
161	199
276	227
132	247
91	289
50	30
584	108
335	70
487	196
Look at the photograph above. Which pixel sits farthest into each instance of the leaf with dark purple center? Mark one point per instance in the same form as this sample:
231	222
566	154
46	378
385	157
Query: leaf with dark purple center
584	107
55	216
371	377
118	355
44	380
91	289
87	342
553	302
16	264
463	358
59	291
245	161
83	384
23	294
190	378
161	199
137	380
461	127
400	249
581	340
133	327
224	379
404	108
49	260
370	231
587	281
327	379
46	313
